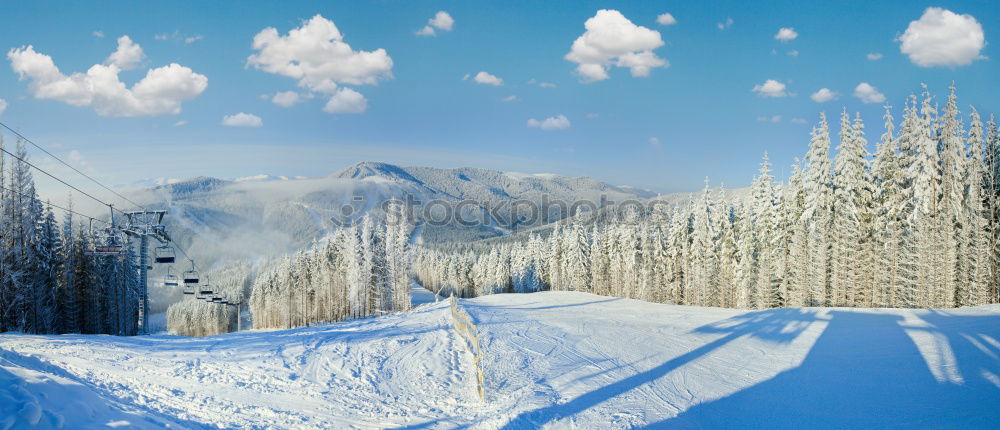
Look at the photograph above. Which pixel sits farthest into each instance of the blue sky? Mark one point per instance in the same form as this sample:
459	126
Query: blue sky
702	110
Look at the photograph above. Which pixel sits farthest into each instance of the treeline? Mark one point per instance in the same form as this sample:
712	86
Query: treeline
48	283
361	271
913	224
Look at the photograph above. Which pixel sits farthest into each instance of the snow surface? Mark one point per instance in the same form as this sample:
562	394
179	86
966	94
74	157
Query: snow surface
555	359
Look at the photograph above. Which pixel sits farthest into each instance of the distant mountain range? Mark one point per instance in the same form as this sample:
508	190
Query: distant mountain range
268	215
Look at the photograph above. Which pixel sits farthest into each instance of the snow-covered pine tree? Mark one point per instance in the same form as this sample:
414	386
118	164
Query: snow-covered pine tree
992	202
576	261
763	222
864	279
798	269
889	205
6	271
746	249
818	186
974	263
926	176
704	257
847	185
950	207
910	274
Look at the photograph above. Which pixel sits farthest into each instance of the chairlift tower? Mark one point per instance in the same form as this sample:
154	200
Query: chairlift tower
143	225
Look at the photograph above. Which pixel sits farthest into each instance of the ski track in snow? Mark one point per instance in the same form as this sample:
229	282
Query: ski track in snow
552	359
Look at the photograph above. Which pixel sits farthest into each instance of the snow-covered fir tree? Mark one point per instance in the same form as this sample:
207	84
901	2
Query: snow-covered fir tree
913	223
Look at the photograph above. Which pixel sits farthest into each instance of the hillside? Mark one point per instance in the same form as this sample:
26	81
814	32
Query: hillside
555	359
220	221
268	215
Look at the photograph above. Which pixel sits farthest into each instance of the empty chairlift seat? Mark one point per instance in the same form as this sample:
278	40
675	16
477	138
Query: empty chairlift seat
190	277
170	281
164	255
206	290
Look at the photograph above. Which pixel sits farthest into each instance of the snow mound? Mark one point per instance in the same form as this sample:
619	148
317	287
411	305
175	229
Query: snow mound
552	360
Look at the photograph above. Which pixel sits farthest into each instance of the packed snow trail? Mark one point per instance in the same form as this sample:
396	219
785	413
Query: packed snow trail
552	359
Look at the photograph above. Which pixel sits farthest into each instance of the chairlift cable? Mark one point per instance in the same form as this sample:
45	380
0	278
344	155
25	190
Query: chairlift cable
57	206
60	180
70	166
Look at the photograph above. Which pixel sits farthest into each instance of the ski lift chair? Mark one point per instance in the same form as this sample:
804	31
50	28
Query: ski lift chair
107	241
190	276
164	254
206	289
170	280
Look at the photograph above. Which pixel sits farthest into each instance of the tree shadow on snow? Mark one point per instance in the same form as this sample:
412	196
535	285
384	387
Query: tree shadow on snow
778	325
866	370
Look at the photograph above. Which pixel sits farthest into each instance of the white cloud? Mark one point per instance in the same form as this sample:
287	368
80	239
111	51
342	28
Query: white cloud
3	106
793	53
868	93
823	95
592	115
613	40
76	159
488	79
316	55
509	98
786	34
160	92
127	56
874	56
559	122
534	81
798	120
346	100
725	24
242	119
180	123
441	21
192	39
771	88
161	36
655	142
666	19
772	119
98	34
943	38
286	98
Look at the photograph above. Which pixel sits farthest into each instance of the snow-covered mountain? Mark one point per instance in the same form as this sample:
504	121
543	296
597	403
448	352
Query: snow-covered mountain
268	215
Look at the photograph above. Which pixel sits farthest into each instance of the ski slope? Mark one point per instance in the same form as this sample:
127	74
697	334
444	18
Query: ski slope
552	359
